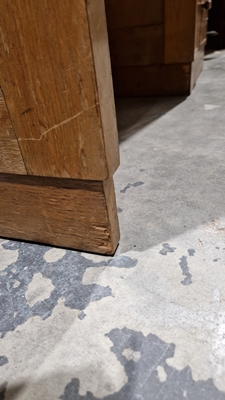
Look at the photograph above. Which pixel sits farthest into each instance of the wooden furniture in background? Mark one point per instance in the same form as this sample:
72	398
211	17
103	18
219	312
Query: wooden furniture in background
58	134
156	46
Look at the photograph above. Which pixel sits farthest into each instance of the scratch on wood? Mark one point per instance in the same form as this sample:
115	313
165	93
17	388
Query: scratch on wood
58	125
27	110
6	47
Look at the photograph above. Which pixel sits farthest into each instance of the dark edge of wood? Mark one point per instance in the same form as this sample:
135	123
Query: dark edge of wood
66	183
153	80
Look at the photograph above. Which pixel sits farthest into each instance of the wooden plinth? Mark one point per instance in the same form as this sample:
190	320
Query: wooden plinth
61	212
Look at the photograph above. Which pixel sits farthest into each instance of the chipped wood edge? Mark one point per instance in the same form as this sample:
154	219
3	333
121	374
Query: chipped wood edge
67	213
109	191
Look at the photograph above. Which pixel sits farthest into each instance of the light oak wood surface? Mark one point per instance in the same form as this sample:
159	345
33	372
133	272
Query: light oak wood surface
49	75
62	212
101	57
61	129
10	156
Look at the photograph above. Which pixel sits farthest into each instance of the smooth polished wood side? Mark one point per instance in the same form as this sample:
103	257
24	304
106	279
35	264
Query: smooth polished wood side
10	156
155	56
180	19
136	32
155	80
129	13
136	39
48	76
61	212
143	45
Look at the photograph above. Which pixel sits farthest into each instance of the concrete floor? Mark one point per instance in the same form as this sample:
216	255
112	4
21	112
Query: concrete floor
150	322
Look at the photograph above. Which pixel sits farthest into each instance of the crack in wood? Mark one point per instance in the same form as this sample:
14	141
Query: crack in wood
57	125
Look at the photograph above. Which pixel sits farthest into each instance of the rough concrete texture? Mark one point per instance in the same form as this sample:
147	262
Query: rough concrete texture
149	323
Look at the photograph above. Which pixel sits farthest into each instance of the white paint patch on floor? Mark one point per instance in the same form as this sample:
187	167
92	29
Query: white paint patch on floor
131	354
39	289
3	241
162	375
217	354
54	255
210	106
91	275
7	257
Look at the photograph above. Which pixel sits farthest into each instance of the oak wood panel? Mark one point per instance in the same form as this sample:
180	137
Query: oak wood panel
100	48
171	79
61	212
180	18
48	76
10	157
129	13
137	46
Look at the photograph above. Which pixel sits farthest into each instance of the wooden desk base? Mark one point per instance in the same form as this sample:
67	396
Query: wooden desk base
61	212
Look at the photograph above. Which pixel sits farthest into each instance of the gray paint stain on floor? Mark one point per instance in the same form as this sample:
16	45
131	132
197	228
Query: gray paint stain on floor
185	271
129	185
144	382
3	360
65	276
82	315
166	249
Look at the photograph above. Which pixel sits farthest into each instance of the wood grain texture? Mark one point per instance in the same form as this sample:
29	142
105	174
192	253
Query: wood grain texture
155	80
61	212
130	13
101	56
180	19
109	192
137	46
48	75
10	157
